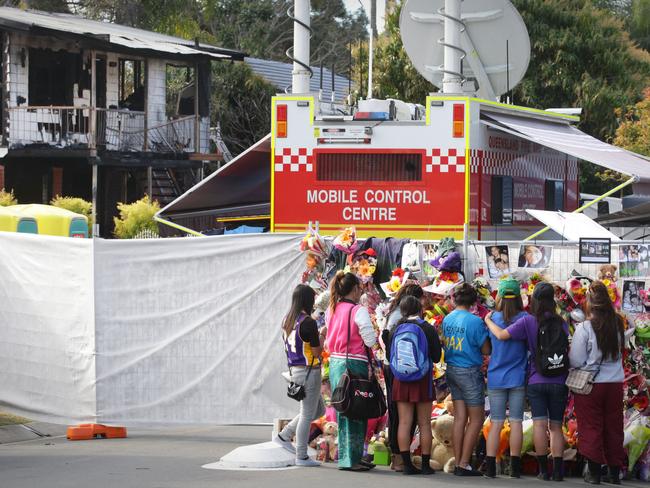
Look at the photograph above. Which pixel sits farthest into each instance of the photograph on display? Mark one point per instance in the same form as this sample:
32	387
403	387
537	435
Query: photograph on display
632	299
634	260
497	260
595	250
427	254
534	257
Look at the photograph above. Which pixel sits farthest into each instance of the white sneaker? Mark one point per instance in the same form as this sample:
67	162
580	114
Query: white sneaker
307	463
284	444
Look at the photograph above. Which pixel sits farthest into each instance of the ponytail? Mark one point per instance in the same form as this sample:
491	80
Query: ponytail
342	284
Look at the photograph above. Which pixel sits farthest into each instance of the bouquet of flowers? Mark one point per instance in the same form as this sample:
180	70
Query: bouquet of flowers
346	241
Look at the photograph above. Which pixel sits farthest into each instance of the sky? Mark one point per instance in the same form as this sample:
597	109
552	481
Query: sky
353	5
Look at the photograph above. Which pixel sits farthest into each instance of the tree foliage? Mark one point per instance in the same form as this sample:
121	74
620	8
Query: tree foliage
634	132
7	198
135	218
76	205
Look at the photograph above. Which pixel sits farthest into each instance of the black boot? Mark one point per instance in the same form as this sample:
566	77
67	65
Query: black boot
408	464
490	467
592	476
558	469
426	465
542	462
515	467
614	475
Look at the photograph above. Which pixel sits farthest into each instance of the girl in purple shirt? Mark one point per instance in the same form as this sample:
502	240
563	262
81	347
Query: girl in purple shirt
547	395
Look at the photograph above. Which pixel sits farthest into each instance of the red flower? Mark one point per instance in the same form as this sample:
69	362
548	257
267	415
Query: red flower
370	252
398	272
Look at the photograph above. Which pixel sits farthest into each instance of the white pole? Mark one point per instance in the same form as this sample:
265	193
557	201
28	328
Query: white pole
370	56
300	75
452	81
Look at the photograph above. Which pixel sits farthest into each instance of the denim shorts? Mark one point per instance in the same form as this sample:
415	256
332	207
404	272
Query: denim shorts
548	401
466	384
513	397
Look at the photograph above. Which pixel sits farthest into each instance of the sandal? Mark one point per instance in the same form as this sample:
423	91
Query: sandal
367	464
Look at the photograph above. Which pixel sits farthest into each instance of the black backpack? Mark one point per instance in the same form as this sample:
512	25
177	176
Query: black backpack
552	355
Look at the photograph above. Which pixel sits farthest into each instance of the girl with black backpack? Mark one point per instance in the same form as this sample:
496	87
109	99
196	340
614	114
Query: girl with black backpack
413	397
547	338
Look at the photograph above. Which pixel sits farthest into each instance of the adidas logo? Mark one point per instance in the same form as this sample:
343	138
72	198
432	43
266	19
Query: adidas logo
556	361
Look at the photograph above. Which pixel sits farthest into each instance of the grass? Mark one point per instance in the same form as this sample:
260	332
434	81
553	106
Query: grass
9	419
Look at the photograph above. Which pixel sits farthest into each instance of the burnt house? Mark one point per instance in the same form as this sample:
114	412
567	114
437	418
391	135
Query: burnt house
86	111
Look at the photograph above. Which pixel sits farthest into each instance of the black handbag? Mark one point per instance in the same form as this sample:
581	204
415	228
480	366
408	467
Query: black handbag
356	397
297	391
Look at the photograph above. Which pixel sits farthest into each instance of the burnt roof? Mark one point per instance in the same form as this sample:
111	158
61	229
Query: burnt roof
108	35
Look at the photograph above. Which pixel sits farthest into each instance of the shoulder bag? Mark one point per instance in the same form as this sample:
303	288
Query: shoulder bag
581	381
356	397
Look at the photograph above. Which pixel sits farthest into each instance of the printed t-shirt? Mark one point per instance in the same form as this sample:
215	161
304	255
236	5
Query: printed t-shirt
525	329
463	334
509	359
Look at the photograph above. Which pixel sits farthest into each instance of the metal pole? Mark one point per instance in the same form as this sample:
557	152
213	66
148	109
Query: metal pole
370	56
452	82
93	100
300	75
94	191
149	182
589	204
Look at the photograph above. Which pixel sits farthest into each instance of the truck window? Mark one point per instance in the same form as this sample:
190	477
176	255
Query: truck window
368	166
502	199
603	208
554	195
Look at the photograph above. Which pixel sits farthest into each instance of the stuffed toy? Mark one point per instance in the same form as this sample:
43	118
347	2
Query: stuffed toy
327	444
442	449
607	274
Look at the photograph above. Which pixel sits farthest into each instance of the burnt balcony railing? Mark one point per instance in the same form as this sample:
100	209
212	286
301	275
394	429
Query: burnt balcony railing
104	129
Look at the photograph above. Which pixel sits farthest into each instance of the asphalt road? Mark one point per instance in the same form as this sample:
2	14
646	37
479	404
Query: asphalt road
173	458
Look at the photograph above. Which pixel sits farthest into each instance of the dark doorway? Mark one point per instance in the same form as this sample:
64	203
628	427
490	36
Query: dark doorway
100	81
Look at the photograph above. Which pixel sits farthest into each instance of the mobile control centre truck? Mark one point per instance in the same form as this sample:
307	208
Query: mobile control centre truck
451	167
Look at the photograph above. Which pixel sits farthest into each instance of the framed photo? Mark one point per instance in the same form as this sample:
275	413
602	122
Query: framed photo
533	256
632	300
595	250
634	260
427	253
497	259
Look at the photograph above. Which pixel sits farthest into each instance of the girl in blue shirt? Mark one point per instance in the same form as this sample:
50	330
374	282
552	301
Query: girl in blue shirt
507	379
465	339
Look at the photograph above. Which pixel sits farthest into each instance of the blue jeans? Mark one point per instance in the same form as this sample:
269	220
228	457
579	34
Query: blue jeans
548	401
466	384
513	397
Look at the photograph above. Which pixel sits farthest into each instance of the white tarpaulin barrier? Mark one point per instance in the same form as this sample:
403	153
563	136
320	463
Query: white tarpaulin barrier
47	334
176	331
572	226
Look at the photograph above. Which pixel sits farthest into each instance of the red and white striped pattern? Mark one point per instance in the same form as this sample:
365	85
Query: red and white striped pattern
531	165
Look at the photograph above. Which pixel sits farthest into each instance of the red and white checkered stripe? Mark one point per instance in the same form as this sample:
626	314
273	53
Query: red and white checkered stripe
294	160
446	161
536	165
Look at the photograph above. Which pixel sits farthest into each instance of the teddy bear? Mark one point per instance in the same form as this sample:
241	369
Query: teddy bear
328	442
607	272
442	449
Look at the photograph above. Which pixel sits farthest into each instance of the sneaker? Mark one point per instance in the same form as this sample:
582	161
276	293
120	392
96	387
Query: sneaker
284	444
458	471
307	463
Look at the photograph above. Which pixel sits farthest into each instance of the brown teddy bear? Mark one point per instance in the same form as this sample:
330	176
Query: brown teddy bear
607	272
442	448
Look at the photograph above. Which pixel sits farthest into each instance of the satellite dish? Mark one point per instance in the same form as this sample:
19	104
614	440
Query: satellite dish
493	37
